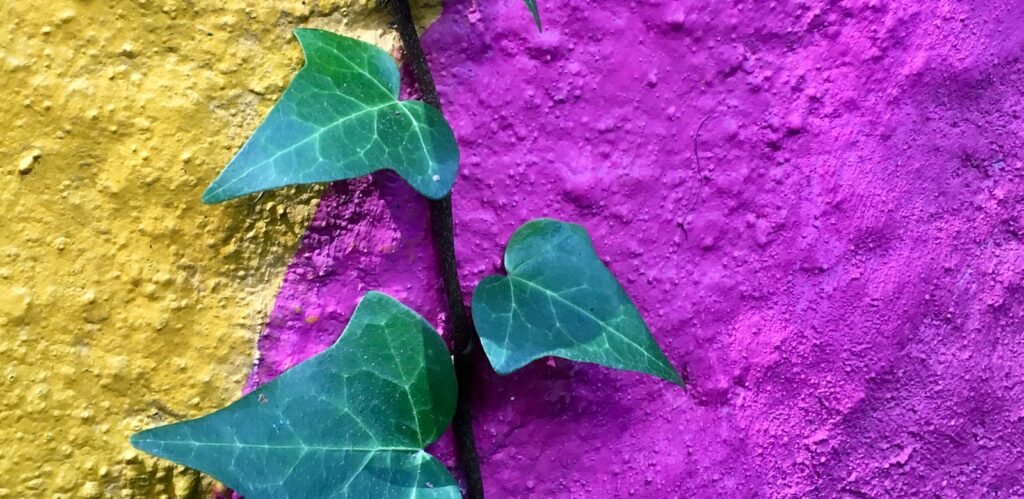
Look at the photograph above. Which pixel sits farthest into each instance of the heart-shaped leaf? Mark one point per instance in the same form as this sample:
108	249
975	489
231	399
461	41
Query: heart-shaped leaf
532	5
341	118
349	422
558	299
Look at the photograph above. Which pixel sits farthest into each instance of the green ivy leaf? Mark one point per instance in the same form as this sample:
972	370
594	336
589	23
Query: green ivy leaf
341	118
349	422
532	5
558	299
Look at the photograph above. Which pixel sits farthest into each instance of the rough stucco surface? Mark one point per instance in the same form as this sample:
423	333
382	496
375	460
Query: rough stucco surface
835	261
125	303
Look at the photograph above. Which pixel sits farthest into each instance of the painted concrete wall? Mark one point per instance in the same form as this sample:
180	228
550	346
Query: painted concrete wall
124	302
816	205
836	259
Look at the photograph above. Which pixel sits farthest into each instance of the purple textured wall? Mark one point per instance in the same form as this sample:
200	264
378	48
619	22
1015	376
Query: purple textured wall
817	206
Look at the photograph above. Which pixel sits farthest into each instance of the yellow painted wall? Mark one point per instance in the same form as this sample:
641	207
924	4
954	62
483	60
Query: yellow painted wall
124	302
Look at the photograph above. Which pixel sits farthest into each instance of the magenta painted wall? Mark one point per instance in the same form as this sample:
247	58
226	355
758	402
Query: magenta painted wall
839	275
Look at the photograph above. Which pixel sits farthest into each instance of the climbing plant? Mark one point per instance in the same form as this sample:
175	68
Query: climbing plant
353	421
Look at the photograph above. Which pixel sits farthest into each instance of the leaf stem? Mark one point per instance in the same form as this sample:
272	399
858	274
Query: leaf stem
464	337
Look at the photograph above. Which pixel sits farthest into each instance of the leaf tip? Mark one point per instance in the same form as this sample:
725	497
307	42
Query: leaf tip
678	380
531	5
142	442
210	197
668	372
304	34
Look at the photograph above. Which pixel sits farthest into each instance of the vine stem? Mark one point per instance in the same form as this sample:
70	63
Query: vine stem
464	336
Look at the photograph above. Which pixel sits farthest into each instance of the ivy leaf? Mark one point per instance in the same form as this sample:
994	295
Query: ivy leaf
532	5
558	299
341	118
349	422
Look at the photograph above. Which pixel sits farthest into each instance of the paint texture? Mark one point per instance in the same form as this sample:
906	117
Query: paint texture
815	205
124	302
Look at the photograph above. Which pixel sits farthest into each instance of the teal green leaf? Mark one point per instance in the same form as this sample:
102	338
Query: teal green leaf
532	5
349	422
341	118
559	300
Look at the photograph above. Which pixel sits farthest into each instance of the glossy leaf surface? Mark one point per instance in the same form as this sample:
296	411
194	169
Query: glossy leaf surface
559	299
532	5
349	422
340	118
